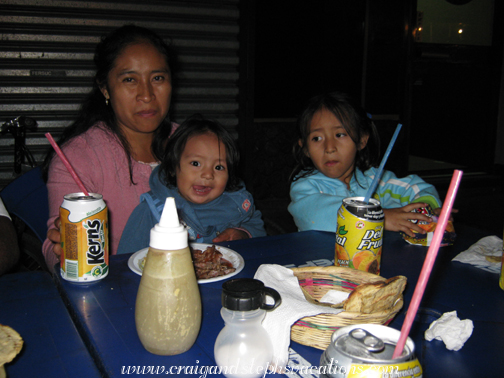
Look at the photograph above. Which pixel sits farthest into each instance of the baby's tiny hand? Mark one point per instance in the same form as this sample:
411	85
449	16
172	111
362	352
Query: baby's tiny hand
230	234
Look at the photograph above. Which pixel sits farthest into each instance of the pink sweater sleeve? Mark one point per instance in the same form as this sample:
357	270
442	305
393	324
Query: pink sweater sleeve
101	164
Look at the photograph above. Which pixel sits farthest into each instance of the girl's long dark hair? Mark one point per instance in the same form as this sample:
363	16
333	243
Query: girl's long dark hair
94	108
197	125
355	121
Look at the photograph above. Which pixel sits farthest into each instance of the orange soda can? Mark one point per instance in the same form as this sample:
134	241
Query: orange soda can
359	234
84	238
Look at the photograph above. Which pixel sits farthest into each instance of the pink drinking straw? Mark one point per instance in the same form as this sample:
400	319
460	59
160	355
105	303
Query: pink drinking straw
67	163
429	262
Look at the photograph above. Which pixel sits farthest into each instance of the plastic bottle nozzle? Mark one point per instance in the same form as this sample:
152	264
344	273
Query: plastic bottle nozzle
169	217
168	234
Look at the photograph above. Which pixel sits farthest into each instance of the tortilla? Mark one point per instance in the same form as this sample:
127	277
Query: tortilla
374	297
10	344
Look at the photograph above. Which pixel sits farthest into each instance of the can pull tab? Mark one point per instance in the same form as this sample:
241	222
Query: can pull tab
367	340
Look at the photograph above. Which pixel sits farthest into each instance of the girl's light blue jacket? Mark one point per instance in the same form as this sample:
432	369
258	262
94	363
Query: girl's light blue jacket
315	199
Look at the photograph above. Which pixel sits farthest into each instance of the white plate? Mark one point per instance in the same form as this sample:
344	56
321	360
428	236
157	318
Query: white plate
232	256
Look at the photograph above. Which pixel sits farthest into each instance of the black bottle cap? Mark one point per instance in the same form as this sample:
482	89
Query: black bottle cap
247	294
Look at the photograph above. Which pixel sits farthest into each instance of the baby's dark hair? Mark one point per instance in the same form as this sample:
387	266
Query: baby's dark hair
354	119
197	125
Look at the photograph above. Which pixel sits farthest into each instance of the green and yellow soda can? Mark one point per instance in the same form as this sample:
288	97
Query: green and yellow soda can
366	350
359	234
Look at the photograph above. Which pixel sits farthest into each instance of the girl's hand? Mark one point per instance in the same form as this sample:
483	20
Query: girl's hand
54	235
438	212
230	234
398	219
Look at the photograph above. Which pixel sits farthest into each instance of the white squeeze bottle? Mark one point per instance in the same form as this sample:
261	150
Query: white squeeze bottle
243	348
168	303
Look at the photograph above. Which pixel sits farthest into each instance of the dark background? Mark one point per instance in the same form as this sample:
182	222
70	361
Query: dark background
304	49
439	92
446	95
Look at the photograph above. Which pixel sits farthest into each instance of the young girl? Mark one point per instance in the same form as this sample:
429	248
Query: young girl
337	151
199	171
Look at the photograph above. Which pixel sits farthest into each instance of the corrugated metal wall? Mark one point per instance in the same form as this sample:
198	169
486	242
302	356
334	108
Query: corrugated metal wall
46	68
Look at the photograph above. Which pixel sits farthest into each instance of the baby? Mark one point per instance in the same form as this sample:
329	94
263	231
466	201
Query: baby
199	171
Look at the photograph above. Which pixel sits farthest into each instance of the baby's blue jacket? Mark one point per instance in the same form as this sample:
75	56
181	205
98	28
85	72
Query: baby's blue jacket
203	221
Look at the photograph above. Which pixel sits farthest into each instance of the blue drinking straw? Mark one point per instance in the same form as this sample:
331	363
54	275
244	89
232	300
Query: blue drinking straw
382	164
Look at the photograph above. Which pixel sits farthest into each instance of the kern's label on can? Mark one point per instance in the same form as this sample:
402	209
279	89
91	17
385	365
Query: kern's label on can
84	238
365	350
359	234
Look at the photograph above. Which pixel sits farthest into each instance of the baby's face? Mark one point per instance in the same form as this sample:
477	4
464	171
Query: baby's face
203	174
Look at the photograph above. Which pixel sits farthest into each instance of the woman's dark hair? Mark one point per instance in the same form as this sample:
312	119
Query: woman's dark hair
197	125
354	119
94	109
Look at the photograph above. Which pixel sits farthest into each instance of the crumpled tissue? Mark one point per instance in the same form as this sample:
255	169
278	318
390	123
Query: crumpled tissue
294	306
449	328
486	254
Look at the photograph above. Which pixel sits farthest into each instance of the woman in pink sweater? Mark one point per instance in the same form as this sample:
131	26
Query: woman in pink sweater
120	133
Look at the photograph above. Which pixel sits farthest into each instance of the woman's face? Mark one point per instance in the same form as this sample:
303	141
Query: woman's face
139	89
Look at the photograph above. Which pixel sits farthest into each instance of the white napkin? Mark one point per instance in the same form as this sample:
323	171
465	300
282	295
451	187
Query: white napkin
294	306
334	297
449	328
477	254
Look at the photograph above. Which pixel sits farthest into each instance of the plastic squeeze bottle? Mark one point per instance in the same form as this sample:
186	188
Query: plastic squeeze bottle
168	303
243	348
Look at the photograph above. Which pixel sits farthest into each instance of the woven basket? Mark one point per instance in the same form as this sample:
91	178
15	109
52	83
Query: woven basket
316	331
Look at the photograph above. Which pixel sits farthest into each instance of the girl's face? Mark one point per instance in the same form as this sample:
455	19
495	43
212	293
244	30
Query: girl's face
202	174
139	89
330	147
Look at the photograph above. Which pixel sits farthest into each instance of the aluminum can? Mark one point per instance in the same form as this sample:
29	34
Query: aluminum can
84	238
359	234
365	350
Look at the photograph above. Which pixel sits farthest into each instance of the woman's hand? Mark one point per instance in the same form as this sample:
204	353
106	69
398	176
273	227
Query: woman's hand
54	235
399	219
230	234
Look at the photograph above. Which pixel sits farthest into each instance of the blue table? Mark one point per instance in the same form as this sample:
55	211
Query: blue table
30	304
104	312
